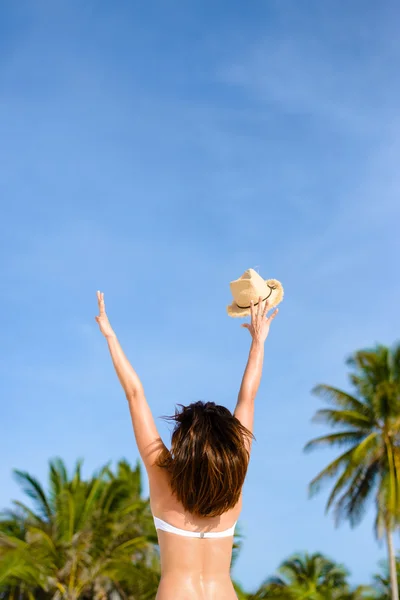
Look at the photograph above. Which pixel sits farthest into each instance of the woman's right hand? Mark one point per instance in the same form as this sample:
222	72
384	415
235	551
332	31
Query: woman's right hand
260	323
102	319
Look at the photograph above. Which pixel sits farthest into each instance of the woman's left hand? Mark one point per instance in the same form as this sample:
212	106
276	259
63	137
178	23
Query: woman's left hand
102	319
260	323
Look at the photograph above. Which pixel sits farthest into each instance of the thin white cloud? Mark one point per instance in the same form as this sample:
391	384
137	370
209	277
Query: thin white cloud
309	75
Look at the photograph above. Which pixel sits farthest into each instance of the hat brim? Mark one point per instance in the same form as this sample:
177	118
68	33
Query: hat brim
234	311
276	297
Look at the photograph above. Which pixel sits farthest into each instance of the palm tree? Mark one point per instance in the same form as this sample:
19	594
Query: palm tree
369	430
240	592
90	539
382	581
84	539
307	577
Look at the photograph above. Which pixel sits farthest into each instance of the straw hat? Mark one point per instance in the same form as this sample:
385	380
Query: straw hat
250	286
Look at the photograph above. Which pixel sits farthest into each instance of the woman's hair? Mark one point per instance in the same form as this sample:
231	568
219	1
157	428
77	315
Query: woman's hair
208	459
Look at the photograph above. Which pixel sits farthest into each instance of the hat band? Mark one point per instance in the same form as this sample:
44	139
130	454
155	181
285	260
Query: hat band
256	303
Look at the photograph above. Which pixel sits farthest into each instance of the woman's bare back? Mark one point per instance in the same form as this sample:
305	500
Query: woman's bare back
192	568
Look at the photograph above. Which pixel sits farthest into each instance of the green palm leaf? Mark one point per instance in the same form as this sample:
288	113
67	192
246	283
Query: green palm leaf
329	471
339	398
27	513
342	438
357	457
395	370
349	418
32	488
353	504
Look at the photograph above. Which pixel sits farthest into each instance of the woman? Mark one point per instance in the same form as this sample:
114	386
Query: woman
196	486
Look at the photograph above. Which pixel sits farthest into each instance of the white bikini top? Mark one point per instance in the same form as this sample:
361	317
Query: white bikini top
160	524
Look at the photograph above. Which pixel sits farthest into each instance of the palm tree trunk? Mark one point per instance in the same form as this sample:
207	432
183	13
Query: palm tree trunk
392	565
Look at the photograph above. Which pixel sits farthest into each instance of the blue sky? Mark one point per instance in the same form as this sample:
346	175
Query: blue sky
156	151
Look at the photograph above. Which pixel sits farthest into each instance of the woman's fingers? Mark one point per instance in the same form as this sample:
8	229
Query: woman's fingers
100	298
266	309
272	317
260	307
252	311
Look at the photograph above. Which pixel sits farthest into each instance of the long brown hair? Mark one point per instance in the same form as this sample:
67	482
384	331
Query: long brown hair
208	459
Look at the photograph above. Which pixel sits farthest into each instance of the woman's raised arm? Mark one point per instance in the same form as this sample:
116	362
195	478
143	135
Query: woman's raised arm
259	329
147	437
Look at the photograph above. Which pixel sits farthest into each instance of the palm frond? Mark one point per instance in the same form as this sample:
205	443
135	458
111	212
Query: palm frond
386	400
25	513
32	488
371	368
64	518
58	466
361	454
340	398
91	501
349	473
391	481
17	564
35	535
131	476
395	363
353	504
77	478
240	592
329	471
372	364
349	418
342	438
